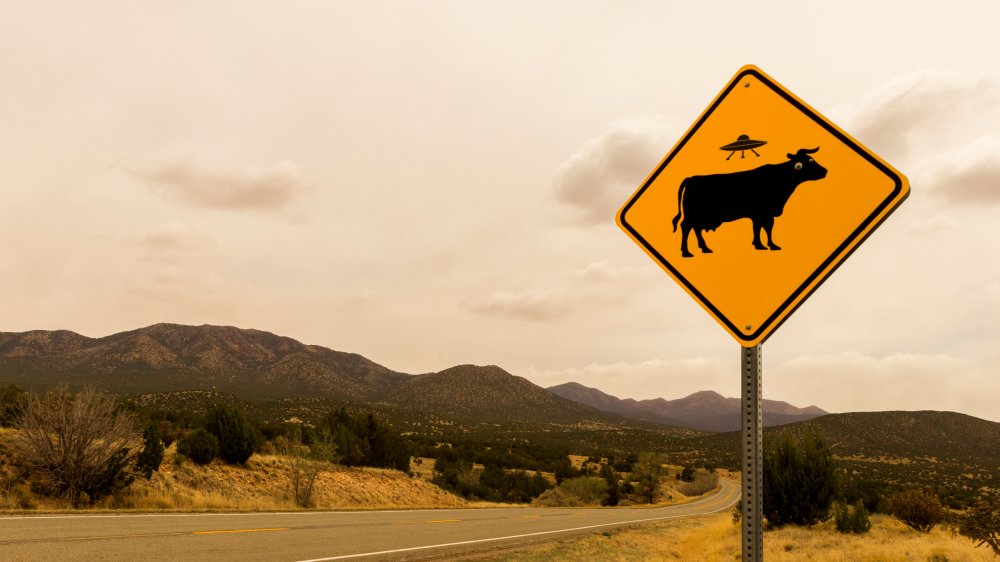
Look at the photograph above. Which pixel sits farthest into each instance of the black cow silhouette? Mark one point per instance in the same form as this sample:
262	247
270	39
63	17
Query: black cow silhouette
760	194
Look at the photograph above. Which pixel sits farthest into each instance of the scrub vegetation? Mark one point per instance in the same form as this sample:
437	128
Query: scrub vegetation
714	538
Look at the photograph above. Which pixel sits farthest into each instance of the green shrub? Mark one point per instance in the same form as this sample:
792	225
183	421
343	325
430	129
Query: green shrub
687	475
800	481
918	510
589	489
200	446
11	399
149	458
851	519
613	480
238	438
364	440
112	478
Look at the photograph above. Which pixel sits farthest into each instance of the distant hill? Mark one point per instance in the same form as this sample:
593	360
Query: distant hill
473	391
706	410
954	454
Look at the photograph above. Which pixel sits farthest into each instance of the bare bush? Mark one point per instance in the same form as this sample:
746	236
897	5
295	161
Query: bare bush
919	510
702	482
981	523
76	444
308	462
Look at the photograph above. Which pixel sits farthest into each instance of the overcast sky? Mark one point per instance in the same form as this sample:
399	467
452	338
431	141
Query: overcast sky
435	183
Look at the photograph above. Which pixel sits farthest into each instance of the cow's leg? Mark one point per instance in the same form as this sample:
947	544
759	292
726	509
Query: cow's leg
768	224
701	241
685	230
756	235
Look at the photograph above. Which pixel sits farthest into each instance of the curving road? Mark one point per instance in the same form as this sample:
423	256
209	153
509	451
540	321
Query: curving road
314	536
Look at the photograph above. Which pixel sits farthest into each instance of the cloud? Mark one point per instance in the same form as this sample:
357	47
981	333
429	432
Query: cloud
852	381
969	175
529	305
173	243
598	179
603	271
888	118
993	291
197	185
580	289
932	226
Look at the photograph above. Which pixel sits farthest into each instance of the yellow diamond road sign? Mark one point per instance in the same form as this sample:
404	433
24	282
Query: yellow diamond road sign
758	203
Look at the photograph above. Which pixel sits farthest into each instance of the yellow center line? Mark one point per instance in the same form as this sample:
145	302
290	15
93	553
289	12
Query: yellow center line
445	521
238	531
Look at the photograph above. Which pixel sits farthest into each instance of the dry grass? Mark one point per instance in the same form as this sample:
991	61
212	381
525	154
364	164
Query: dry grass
715	538
264	484
423	467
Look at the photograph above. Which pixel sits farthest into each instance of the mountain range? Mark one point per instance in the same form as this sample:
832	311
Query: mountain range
706	410
257	365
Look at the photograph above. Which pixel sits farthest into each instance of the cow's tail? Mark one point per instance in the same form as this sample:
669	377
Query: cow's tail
680	205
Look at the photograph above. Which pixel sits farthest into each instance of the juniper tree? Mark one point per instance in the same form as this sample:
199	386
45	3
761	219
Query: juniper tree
199	445
800	480
149	458
238	438
647	471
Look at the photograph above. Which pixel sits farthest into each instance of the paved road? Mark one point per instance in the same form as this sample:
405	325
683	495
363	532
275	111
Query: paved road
314	536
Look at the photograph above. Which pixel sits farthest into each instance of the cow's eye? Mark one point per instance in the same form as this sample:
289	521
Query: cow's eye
798	165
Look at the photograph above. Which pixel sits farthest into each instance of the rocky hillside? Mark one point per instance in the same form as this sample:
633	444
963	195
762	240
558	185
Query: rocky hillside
166	357
706	410
182	363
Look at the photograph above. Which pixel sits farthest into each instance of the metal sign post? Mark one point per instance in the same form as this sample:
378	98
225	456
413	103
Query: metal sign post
751	447
832	208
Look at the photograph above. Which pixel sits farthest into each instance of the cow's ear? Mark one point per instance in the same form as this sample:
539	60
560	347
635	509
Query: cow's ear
790	156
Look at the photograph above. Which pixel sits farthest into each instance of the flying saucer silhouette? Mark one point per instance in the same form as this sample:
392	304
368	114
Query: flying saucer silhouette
741	145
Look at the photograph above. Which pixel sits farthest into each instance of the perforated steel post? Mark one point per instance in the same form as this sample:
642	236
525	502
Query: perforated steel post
751	447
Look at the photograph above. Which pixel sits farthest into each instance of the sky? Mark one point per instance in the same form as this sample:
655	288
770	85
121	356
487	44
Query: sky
435	183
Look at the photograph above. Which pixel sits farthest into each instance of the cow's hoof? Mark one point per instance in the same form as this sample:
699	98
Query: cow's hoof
706	251
760	246
775	247
687	255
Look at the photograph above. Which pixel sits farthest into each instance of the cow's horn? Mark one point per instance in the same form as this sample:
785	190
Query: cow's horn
807	151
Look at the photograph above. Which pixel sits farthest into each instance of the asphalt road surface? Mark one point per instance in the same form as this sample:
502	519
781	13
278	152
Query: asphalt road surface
314	535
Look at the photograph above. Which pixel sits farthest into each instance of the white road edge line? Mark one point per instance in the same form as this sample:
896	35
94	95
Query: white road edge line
494	539
239	514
